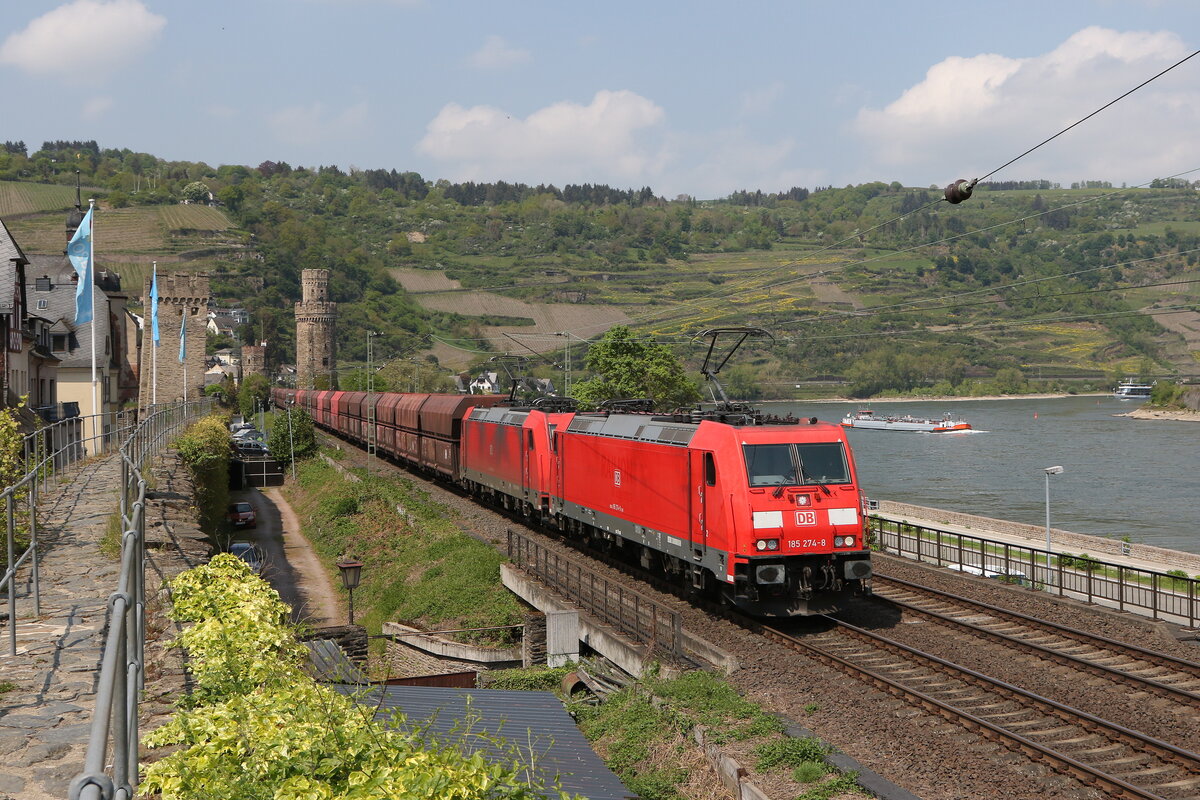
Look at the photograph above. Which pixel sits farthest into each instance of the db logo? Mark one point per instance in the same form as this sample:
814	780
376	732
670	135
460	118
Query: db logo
806	518
616	477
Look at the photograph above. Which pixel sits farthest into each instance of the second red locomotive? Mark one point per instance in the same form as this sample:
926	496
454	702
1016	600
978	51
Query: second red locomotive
768	516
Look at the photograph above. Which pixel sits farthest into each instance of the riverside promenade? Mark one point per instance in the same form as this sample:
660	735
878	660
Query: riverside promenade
45	718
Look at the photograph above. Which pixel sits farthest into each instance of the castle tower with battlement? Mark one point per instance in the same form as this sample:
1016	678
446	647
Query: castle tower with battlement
254	360
182	301
316	318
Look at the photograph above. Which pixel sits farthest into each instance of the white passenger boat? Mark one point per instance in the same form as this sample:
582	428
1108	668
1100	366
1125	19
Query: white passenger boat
865	418
1132	389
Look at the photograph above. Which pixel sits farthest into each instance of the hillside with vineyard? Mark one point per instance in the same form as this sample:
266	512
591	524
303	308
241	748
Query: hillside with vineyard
877	288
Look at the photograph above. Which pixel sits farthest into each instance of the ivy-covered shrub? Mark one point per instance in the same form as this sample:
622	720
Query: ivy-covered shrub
204	448
259	728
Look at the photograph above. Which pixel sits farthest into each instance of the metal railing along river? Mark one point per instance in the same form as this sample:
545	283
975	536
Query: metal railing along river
1163	595
115	718
634	614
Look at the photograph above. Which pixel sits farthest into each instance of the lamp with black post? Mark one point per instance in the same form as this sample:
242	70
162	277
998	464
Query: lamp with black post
351	574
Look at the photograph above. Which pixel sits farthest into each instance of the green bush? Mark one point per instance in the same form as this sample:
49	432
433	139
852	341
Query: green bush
204	448
259	728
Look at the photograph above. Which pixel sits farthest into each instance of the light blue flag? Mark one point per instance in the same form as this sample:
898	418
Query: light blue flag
154	307
79	250
183	336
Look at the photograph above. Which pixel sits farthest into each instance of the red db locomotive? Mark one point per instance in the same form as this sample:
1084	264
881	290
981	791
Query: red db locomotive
766	513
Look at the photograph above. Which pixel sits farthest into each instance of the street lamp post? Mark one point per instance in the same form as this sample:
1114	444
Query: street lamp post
1049	471
351	574
291	440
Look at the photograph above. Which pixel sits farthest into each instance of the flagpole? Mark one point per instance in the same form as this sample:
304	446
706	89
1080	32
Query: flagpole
92	289
154	340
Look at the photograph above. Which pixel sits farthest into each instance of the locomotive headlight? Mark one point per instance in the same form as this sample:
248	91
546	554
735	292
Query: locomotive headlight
761	545
772	544
849	541
766	544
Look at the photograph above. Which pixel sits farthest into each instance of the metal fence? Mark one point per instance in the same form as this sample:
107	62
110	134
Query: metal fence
115	718
1162	595
637	616
49	453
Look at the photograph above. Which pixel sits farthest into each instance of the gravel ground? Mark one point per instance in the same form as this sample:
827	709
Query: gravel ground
932	758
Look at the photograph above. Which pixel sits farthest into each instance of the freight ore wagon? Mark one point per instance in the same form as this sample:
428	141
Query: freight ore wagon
768	516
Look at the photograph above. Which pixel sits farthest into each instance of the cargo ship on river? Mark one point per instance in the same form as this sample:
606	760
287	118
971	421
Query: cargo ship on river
869	420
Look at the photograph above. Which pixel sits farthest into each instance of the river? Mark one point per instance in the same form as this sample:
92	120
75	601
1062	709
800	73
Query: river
1121	476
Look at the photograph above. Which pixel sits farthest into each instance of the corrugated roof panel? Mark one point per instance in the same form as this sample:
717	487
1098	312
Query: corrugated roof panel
330	665
534	721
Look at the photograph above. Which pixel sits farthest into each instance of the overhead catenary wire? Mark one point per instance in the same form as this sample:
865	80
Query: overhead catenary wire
1078	122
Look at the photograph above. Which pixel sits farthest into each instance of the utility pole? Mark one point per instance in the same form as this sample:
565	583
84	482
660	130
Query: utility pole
372	442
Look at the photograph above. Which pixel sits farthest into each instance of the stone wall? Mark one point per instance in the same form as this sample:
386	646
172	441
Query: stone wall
254	360
316	318
182	299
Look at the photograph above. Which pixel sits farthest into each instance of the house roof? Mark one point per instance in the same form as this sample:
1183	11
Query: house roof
10	251
533	722
60	307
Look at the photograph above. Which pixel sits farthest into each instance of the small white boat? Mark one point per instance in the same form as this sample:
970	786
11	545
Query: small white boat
1132	389
865	418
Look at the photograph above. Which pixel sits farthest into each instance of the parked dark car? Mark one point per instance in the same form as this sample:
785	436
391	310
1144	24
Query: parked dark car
249	448
242	515
249	553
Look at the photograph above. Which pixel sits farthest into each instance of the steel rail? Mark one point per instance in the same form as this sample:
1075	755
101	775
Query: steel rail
1061	762
1078	662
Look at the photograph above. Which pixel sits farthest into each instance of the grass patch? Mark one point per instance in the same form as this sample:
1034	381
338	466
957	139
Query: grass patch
534	679
420	568
7	686
110	542
648	743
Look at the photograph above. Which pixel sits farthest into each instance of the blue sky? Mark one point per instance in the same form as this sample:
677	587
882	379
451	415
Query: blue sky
701	98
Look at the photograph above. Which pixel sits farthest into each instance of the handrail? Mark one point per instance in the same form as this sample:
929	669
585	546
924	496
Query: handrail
122	673
1082	577
634	614
47	452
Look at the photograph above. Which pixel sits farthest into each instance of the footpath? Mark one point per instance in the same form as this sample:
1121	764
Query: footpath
45	720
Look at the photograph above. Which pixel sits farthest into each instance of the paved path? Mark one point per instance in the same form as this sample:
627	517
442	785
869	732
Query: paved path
44	721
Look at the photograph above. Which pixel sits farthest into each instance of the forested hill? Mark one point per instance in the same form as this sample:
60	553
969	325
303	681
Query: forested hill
878	285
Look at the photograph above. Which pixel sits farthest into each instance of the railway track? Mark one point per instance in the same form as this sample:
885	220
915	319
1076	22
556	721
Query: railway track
1145	670
1120	762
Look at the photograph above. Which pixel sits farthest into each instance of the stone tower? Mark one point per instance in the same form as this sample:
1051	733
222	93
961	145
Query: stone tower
254	360
182	300
315	320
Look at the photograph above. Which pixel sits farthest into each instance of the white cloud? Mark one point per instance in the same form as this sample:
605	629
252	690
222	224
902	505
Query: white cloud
498	54
731	159
605	140
761	99
83	40
970	115
313	124
95	107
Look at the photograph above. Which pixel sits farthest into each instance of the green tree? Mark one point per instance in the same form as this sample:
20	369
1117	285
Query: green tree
625	367
195	192
300	438
253	394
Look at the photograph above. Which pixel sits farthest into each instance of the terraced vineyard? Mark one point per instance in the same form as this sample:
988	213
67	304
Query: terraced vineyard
29	198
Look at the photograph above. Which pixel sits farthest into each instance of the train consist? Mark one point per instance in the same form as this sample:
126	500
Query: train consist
767	515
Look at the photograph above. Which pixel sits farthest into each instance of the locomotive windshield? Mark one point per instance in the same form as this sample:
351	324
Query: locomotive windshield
796	464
